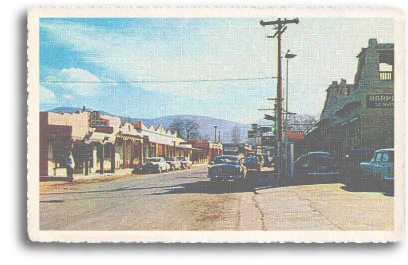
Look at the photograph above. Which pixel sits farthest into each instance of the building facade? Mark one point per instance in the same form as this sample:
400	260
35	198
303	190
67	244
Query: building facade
206	150
359	115
102	143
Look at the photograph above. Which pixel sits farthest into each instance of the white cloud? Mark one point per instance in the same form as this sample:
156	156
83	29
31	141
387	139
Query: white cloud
79	81
222	49
47	96
219	51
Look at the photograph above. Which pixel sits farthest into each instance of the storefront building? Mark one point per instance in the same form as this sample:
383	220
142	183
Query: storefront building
359	115
102	143
205	150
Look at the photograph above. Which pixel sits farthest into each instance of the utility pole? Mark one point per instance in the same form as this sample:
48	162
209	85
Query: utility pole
280	27
287	56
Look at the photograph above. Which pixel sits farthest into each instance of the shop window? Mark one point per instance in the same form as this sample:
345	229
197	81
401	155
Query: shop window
60	153
107	151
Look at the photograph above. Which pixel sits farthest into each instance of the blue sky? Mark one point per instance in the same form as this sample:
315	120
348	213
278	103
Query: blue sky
100	63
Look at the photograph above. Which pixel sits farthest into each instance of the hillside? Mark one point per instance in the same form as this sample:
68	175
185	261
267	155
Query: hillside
206	124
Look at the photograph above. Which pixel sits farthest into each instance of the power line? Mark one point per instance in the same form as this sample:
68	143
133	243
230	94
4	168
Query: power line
158	81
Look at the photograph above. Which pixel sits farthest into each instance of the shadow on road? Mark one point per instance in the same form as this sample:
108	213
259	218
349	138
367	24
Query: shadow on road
367	188
209	187
256	182
261	181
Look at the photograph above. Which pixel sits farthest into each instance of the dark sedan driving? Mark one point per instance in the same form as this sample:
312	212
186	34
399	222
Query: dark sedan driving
226	167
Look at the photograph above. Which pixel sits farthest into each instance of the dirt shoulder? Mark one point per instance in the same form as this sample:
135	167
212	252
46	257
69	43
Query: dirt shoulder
57	186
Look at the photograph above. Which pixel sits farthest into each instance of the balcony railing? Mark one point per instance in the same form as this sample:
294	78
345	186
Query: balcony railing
387	76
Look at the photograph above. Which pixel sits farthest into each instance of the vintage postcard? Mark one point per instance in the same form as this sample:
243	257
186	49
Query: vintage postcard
215	124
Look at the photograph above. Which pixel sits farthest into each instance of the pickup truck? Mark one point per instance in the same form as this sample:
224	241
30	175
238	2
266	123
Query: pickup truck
380	170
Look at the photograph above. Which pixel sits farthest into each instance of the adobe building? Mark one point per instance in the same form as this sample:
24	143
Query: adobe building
359	115
163	143
91	141
206	150
101	143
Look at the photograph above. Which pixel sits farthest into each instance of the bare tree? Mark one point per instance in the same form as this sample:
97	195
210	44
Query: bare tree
191	129
177	126
185	128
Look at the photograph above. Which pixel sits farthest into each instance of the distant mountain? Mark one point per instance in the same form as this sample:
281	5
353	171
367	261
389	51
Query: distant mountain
72	110
206	124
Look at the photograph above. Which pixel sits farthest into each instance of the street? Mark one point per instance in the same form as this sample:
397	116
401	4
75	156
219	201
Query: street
187	200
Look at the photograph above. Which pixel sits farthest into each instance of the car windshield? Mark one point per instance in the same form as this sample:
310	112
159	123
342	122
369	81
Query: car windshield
155	159
225	160
170	159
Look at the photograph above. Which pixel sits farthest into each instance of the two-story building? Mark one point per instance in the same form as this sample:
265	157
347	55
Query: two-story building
359	115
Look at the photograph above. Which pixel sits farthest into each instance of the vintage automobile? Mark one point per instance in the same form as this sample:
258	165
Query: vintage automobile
156	164
227	167
253	163
316	167
173	162
380	170
185	162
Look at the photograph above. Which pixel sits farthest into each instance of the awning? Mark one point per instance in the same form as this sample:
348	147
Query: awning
129	137
101	138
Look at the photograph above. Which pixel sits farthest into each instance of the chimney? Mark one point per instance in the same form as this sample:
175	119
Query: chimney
372	42
138	125
83	108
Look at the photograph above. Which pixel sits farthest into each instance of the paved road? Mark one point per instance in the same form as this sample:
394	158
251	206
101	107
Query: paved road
186	200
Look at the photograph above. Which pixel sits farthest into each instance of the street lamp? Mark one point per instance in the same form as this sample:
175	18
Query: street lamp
287	56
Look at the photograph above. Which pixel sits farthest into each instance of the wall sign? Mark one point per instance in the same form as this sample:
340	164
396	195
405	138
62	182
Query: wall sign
96	121
230	149
380	101
295	135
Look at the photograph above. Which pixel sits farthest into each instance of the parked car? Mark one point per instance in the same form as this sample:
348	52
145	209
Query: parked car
173	162
267	160
227	167
156	164
380	170
185	162
316	167
351	163
253	163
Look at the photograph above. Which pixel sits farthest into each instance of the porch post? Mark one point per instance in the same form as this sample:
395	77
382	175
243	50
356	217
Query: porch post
102	158
112	153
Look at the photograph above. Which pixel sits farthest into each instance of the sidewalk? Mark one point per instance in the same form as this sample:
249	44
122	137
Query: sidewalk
118	172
